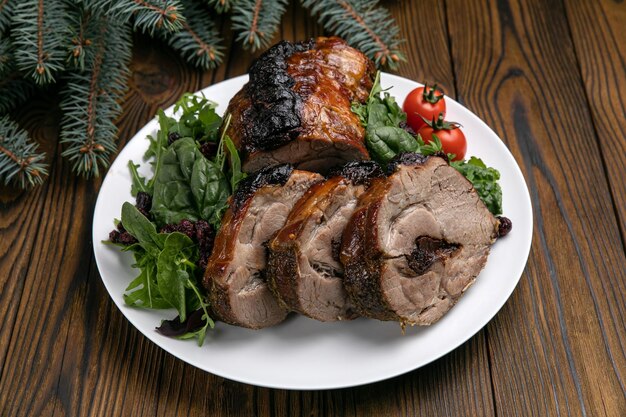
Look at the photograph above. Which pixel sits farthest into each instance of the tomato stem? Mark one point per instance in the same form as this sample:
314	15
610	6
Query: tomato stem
441	124
430	95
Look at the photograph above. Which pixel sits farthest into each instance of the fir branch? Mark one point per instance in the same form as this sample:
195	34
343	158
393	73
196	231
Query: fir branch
81	35
364	24
39	33
150	16
199	40
220	6
20	161
90	99
6	11
257	21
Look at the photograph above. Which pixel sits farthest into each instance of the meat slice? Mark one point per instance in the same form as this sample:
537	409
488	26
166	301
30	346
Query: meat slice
304	269
235	274
296	107
416	242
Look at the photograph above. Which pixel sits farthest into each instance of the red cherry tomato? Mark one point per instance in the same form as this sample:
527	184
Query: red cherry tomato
449	134
423	102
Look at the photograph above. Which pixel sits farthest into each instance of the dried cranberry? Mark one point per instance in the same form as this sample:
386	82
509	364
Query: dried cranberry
144	201
505	226
185	227
123	238
172	137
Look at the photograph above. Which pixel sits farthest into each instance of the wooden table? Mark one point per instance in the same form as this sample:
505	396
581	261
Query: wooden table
547	76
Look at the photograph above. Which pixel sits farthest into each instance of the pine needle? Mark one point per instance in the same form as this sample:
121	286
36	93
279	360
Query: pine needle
148	16
6	11
20	162
256	21
199	41
220	6
90	99
364	24
39	31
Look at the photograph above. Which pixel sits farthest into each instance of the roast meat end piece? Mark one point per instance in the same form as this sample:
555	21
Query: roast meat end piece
235	276
296	108
304	268
416	242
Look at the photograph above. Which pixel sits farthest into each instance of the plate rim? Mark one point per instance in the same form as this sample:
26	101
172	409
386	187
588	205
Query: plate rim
152	335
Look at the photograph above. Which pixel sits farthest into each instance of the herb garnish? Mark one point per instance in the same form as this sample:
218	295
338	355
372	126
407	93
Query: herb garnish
189	188
386	136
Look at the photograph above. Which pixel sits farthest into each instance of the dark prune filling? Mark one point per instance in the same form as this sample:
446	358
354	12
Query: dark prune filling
429	250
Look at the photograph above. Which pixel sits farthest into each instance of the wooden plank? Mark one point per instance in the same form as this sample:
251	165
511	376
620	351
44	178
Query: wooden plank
558	345
20	214
597	29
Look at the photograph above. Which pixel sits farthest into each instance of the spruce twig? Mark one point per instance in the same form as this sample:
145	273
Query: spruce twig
199	40
38	33
80	36
90	104
364	24
256	21
220	6
20	161
6	10
149	16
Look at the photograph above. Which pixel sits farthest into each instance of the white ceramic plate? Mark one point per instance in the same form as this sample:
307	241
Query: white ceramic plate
302	353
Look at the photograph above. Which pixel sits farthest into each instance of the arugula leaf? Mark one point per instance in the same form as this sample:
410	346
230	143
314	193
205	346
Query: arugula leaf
138	182
198	119
143	291
175	269
485	182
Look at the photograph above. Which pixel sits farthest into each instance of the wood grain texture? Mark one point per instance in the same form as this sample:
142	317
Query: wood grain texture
557	348
599	37
20	215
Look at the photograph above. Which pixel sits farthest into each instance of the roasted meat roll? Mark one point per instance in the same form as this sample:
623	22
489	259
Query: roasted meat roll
235	274
296	106
416	242
303	268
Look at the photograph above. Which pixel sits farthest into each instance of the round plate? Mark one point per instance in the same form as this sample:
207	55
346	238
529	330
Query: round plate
302	353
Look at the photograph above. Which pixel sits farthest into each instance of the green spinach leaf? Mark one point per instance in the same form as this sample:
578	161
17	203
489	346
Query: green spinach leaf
173	199
210	189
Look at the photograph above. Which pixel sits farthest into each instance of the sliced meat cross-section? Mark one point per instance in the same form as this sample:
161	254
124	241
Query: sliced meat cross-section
304	269
235	275
416	242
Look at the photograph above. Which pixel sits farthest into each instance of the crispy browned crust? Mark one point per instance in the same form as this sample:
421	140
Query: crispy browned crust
221	257
362	258
282	273
290	85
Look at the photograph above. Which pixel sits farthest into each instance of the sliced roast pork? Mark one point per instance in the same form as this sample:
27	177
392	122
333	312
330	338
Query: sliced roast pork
304	269
235	274
296	107
416	242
